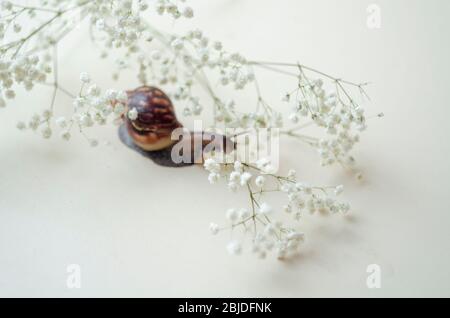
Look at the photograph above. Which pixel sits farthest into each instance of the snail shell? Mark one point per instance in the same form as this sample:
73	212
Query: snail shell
156	118
150	133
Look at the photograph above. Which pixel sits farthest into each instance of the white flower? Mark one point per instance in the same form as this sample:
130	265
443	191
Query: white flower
177	44
188	12
232	215
93	90
155	55
245	177
100	24
119	109
235	176
291	174
61	122
217	45
344	208
296	236
214	228
85	78
233	186
264	208
10	94
244	214
133	114
234	248
287	208
211	165
339	189
294	118
122	96
259	181
47	114
46	132
269	229
21	125
65	135
238	166
213	177
111	94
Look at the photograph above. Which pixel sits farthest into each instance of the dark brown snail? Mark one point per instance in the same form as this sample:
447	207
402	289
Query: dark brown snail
150	132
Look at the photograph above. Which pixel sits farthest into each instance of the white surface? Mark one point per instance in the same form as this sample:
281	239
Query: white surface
140	230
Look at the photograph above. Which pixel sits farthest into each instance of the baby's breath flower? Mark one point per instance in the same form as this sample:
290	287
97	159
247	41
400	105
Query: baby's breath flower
211	165
85	78
214	228
245	177
21	125
232	215
339	189
213	177
234	248
65	135
265	208
46	132
132	114
259	181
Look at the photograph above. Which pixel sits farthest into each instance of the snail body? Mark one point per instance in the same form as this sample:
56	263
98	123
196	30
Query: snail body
150	131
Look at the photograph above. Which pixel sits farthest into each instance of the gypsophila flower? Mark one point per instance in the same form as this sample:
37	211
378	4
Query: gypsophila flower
244	214
213	177
259	181
234	248
211	165
46	132
133	114
188	12
85	78
21	125
339	189
232	215
265	208
214	228
238	166
65	135
245	178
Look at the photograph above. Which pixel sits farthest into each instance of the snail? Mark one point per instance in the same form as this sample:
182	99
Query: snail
152	132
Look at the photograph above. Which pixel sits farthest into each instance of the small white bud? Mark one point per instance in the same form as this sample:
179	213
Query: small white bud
85	78
133	114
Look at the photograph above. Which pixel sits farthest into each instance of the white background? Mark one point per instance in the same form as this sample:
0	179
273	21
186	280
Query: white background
137	229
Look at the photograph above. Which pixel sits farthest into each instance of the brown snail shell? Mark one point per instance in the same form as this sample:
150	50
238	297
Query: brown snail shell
156	119
151	132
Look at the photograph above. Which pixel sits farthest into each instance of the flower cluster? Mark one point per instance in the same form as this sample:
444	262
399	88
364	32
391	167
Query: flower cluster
267	229
122	22
27	71
333	110
91	107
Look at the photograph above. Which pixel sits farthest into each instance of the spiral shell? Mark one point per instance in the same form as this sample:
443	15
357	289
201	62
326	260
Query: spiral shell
155	121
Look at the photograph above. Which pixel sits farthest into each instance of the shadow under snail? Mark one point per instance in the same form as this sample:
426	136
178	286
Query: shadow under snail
151	132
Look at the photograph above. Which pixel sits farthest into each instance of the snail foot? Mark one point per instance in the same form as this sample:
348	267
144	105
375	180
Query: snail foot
160	157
